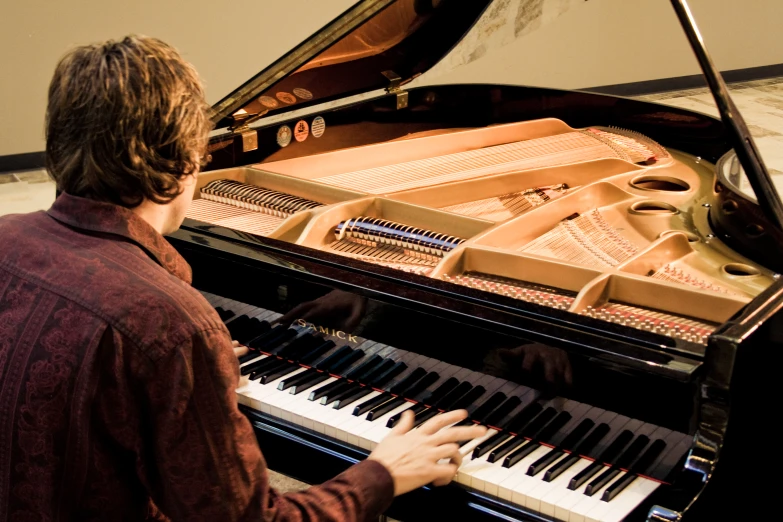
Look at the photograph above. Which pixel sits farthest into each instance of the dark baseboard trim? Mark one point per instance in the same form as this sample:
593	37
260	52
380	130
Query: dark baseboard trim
681	83
26	161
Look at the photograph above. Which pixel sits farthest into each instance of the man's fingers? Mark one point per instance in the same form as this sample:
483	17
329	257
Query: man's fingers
296	312
439	422
405	423
445	451
444	474
240	350
459	434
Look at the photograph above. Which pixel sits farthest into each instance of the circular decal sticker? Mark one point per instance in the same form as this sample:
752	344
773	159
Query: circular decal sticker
268	102
286	97
318	127
284	136
301	130
303	93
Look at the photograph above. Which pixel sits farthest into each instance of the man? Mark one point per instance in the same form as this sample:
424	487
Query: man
117	378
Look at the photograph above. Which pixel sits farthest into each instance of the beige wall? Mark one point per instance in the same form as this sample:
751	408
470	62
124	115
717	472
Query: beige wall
228	42
578	44
574	43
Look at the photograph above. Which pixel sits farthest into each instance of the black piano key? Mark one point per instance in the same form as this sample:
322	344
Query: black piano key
369	404
421	385
466	400
338	397
376	372
324	390
438	393
584	447
279	364
365	368
384	408
254	328
236	325
257	342
628	456
424	416
496	416
332	394
352	396
259	365
416	410
521	419
249	356
408	381
314	379
225	315
571	440
543	434
297	346
273	344
338	354
316	352
480	412
608	455
343	364
639	468
282	372
385	377
495	440
532	427
296	379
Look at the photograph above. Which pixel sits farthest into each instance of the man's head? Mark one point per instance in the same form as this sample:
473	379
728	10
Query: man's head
127	123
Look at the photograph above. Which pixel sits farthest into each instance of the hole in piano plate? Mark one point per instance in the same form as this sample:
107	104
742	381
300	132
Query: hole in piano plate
652	208
729	206
692	238
739	270
753	230
660	183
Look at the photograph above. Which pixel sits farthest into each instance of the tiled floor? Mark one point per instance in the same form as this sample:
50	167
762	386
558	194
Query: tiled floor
760	102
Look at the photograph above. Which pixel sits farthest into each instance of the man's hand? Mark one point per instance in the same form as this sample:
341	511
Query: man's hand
239	350
413	457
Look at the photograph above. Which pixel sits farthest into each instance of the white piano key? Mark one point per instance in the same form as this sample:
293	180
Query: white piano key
559	488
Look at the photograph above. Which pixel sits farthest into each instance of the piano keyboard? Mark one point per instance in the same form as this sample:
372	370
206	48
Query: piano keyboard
549	151
505	207
558	457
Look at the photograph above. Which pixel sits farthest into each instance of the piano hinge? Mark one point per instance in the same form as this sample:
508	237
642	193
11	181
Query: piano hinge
242	127
395	82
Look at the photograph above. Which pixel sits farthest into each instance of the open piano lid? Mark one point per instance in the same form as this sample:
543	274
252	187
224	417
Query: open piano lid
373	45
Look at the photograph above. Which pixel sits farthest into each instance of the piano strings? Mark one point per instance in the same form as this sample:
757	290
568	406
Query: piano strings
672	325
524	291
244	207
505	207
585	239
548	151
673	274
392	244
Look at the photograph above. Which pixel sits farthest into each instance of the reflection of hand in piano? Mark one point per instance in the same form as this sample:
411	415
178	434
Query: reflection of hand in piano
338	309
538	365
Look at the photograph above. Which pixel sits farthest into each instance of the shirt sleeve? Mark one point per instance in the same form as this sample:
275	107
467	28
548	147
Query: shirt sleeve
208	465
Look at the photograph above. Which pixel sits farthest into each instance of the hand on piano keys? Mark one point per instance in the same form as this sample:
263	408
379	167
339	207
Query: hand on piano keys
239	350
427	454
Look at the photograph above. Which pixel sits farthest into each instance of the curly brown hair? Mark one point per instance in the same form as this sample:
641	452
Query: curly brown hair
126	120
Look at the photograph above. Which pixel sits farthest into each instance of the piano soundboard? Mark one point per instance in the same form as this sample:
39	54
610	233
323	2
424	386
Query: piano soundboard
557	457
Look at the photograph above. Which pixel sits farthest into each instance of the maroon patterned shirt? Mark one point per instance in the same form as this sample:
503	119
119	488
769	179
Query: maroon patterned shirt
117	386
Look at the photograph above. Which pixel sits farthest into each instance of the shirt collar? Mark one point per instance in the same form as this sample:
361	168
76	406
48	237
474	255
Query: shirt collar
97	216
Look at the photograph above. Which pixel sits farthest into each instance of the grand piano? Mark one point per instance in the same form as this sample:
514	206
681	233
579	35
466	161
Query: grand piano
590	276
